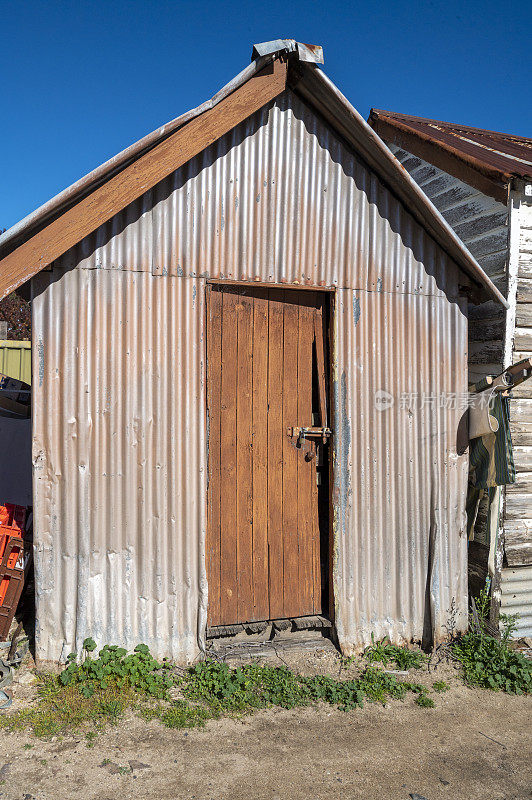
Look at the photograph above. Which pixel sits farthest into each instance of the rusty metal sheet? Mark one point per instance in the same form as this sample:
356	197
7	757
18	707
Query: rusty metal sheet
500	156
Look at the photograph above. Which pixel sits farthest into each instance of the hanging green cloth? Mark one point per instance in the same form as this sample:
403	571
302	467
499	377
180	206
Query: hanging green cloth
491	460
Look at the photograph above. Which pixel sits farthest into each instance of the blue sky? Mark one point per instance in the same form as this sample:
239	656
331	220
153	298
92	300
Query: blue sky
81	81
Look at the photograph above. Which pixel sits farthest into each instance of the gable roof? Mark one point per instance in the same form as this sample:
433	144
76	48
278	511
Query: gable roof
40	238
493	159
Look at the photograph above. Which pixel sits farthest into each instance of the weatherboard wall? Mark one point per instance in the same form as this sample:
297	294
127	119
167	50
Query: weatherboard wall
120	448
518	505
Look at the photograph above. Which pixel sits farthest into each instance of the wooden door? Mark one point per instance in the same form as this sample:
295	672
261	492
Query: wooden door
265	355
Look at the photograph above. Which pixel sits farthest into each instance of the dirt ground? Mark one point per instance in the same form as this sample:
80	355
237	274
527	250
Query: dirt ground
474	745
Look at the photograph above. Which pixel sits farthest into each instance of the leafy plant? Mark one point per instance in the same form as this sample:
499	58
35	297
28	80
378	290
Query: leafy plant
255	686
346	661
250	686
114	667
424	700
487	662
97	690
440	686
402	657
490	664
509	626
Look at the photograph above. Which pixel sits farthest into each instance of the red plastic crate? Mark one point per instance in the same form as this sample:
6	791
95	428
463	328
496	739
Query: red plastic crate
13	517
15	559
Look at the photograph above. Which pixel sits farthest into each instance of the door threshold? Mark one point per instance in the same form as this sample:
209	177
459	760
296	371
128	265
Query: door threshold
267	649
267	629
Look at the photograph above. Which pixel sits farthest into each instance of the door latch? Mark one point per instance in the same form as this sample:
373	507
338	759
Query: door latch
309	433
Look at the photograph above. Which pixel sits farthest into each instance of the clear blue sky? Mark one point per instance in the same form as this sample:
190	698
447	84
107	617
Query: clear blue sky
81	81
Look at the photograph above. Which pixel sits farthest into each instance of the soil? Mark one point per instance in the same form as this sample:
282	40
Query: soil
475	745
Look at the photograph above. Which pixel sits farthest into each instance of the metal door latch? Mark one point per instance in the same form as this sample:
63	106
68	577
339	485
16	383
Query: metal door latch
309	433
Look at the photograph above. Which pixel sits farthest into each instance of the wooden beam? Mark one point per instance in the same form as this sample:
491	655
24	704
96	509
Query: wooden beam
103	203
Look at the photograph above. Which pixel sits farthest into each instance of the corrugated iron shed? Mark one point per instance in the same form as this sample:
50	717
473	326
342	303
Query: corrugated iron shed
128	431
299	192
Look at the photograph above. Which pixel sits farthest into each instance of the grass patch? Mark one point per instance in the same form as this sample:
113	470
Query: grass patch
179	714
96	691
59	708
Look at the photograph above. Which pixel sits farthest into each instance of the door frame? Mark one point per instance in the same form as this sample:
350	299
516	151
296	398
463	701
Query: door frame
331	293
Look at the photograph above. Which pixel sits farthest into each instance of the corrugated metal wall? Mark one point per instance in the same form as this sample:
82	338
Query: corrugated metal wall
500	237
120	463
516	597
278	199
119	457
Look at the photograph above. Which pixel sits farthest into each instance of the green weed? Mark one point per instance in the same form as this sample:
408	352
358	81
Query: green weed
487	662
60	708
424	700
114	667
440	686
253	686
96	691
490	664
401	657
346	661
178	715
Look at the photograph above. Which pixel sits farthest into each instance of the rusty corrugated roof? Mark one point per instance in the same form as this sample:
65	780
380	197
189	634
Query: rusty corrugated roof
499	157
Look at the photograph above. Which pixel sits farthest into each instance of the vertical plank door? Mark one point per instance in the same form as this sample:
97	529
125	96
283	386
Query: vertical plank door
264	354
